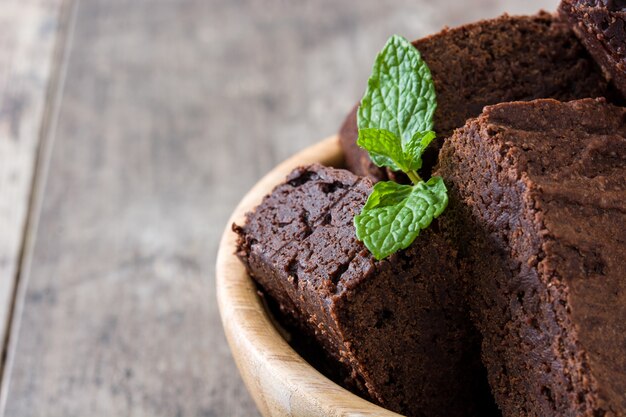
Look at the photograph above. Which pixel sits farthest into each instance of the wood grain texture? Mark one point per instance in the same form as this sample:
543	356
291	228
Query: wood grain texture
27	42
170	112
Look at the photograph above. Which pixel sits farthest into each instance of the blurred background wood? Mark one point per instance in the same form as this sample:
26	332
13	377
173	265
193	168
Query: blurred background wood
27	39
170	111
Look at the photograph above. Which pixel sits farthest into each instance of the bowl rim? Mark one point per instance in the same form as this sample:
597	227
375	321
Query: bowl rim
277	377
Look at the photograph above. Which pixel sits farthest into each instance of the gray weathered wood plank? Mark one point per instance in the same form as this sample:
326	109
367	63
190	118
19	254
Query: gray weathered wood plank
171	110
27	40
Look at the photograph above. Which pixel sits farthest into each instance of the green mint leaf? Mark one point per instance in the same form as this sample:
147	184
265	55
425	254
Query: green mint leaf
384	147
414	149
400	95
394	214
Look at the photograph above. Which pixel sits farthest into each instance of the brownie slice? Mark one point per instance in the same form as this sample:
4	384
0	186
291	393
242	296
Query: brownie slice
601	26
538	213
489	62
399	326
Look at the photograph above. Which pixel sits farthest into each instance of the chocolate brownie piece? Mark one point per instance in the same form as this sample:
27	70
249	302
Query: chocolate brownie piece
489	62
538	213
398	326
601	26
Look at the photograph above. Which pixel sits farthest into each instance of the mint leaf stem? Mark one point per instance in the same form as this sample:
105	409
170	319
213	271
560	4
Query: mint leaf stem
414	177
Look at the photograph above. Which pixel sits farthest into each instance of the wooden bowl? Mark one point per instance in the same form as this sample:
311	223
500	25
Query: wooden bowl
281	382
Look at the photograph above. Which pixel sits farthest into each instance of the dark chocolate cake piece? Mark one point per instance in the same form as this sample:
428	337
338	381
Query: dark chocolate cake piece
399	326
601	26
538	213
489	62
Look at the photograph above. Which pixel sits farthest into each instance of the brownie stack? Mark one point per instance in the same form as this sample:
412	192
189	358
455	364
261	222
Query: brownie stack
519	288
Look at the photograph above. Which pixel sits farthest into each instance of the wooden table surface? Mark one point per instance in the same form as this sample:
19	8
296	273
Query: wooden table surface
129	129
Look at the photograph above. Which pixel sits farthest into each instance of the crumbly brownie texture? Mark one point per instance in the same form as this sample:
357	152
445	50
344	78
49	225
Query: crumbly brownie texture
399	326
489	62
601	26
538	211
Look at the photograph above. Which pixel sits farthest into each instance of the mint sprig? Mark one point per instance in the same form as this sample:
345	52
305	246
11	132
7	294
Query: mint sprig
395	121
